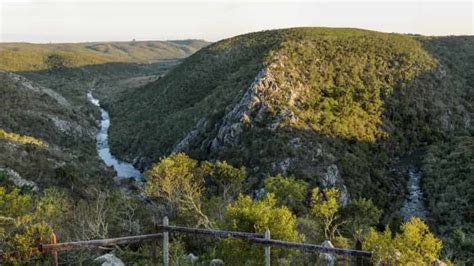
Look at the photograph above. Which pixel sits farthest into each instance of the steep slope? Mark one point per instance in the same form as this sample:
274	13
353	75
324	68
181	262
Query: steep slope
336	107
44	139
30	57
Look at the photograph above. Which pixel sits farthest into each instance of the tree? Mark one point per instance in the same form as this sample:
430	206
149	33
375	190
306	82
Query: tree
228	179
360	215
324	206
55	62
23	224
288	192
414	245
179	180
248	215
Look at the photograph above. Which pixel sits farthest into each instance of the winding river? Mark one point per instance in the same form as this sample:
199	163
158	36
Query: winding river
414	203
123	169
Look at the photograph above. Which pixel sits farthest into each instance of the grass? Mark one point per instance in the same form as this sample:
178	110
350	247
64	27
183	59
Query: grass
21	139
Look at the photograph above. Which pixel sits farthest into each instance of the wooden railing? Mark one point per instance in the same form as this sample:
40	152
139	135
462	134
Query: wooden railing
165	229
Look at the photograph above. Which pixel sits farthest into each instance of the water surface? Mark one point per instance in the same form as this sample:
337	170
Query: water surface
414	203
123	169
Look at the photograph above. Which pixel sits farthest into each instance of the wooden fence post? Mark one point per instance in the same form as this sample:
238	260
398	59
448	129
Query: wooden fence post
267	248
166	259
54	240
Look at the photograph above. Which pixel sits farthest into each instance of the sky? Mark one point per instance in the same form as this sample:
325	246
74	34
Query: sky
123	20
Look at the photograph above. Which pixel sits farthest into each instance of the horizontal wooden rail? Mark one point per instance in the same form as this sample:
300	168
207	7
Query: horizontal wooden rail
259	239
312	247
211	232
96	243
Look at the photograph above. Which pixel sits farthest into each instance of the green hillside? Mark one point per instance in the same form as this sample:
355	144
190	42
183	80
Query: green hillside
335	107
30	57
47	140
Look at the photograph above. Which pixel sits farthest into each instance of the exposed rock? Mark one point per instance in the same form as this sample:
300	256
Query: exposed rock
216	262
19	181
439	263
295	143
109	260
252	107
191	136
27	84
192	258
282	167
259	193
344	196
327	258
331	176
70	127
446	120
467	122
232	123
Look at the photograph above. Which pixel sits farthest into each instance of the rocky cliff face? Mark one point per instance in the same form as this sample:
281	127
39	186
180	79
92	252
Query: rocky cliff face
255	108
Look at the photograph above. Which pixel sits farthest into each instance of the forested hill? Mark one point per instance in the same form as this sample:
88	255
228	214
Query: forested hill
335	107
31	57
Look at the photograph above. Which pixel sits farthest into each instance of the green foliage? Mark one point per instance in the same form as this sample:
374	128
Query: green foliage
414	245
214	77
179	180
248	215
21	139
227	179
288	191
56	62
24	223
360	215
344	78
449	184
31	57
49	136
358	98
325	207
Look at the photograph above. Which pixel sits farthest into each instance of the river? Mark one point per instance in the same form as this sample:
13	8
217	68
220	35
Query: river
414	203
123	169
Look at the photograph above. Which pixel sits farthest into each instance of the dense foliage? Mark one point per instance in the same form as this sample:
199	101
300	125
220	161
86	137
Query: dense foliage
414	245
321	143
45	139
31	57
449	183
350	98
179	181
342	103
247	215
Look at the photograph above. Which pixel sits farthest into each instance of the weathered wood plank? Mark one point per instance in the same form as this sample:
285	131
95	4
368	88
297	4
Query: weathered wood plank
211	232
97	243
259	239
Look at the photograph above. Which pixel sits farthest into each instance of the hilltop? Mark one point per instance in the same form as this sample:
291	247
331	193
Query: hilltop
334	107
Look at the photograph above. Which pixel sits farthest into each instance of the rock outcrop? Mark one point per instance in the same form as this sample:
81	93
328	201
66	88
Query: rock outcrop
19	181
109	260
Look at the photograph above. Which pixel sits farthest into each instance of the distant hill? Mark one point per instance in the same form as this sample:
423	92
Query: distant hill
336	107
30	57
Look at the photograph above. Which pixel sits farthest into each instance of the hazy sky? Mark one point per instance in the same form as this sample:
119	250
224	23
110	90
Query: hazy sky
118	20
